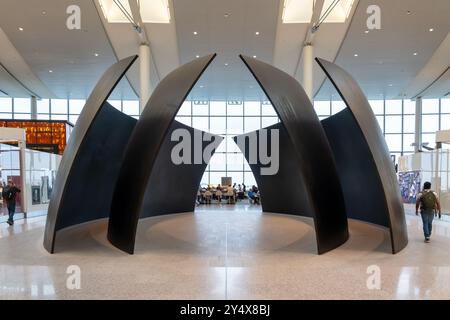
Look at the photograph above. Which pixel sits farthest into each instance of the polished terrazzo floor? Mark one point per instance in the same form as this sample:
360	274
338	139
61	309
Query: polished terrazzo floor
223	252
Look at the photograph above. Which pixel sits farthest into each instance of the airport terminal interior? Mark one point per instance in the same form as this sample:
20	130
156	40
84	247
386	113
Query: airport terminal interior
224	149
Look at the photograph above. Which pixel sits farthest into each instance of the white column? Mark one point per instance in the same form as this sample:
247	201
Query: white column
418	126
308	60
144	74
437	172
23	187
33	108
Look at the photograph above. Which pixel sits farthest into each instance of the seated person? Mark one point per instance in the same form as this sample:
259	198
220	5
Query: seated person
231	195
251	196
208	196
240	192
256	198
219	193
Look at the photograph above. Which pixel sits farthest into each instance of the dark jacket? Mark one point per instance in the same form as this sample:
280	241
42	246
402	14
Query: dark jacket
10	193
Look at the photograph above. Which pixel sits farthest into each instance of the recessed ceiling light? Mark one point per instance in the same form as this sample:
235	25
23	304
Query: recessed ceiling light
20	29
226	64
367	31
44	12
197	56
415	53
431	29
51	71
226	15
257	33
355	55
408	12
96	54
195	32
201	86
390	84
254	57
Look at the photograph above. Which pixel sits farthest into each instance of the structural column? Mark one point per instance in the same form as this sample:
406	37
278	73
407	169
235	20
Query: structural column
33	108
23	187
308	60
436	185
144	74
418	126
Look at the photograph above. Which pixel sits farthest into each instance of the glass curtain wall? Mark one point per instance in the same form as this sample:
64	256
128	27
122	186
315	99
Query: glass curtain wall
397	120
228	118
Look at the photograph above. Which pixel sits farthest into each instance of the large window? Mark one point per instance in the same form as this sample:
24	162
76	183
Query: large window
228	119
6	111
396	119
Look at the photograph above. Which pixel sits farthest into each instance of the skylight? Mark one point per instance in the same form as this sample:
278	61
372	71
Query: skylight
300	11
152	11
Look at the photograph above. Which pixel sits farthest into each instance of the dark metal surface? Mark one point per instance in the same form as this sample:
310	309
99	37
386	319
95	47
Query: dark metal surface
94	172
285	191
363	191
92	107
316	164
144	145
173	188
364	118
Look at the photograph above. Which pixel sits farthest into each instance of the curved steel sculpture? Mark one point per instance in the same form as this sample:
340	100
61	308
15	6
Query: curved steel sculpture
144	144
368	177
93	172
293	197
173	188
93	105
316	164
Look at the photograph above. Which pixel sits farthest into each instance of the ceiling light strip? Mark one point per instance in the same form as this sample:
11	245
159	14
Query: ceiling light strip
340	46
327	12
431	84
112	47
30	92
125	12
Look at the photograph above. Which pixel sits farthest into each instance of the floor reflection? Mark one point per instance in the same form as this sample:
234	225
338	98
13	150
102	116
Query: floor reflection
29	282
224	252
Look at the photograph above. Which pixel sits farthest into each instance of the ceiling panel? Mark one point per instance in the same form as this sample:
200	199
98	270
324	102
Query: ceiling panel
47	44
385	62
227	28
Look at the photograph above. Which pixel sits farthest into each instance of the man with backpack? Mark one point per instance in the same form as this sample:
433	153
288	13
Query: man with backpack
428	203
9	194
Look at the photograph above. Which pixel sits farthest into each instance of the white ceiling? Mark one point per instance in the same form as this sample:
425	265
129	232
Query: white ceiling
228	37
47	44
386	56
385	66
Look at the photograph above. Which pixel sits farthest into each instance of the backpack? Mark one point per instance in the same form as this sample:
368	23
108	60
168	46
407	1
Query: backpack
428	200
8	194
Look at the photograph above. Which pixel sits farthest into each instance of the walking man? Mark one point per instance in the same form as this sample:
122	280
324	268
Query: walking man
9	194
428	202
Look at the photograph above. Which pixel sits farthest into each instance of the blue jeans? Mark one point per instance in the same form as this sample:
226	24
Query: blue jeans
11	210
427	220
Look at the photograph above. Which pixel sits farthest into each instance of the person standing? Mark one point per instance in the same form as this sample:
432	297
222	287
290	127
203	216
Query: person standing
428	202
9	193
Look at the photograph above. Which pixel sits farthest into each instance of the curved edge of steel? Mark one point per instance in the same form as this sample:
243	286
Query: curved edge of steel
94	103
177	183
293	200
357	103
315	158
143	147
